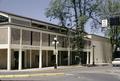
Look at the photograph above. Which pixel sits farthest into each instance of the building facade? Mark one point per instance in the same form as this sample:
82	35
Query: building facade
26	43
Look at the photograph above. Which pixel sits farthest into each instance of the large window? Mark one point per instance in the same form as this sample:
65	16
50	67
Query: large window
26	37
35	38
3	35
15	36
45	39
63	42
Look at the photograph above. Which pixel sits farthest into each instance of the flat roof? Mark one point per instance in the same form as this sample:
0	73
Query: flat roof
12	14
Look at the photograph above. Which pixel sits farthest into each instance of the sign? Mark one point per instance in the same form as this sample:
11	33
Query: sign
104	23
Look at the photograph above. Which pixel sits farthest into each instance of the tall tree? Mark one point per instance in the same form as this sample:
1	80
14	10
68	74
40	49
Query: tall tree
58	10
73	12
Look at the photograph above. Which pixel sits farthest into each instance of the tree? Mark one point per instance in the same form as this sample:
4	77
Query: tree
58	11
74	13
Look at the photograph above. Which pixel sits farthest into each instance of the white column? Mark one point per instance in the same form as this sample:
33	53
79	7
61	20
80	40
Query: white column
20	60
69	48
68	57
9	50
56	54
91	55
9	59
40	52
20	52
87	57
40	58
30	58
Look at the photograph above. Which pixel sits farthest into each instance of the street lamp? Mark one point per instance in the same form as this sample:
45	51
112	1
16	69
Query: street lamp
55	42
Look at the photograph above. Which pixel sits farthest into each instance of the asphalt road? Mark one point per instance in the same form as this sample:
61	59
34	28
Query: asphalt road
78	74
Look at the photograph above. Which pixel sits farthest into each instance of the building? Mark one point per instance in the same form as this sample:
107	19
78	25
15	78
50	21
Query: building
27	43
102	49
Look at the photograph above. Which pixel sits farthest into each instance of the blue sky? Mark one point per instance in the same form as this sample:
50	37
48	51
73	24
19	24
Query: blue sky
31	8
28	8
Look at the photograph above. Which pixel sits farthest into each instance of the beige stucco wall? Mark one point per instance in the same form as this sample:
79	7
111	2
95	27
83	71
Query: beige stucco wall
102	50
3	58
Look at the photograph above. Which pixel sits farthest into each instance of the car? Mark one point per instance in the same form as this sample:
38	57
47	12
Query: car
116	62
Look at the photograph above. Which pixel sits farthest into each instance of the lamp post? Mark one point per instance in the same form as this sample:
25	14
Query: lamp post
55	42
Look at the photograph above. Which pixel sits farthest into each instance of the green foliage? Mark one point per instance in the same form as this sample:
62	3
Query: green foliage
75	13
58	11
109	8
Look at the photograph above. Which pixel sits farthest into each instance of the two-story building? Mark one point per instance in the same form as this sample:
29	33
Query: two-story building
26	43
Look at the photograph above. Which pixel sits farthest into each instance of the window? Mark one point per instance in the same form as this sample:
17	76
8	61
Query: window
63	42
45	39
35	38
15	36
26	37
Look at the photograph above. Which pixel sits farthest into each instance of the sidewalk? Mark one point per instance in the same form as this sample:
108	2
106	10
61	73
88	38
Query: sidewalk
42	70
60	71
47	71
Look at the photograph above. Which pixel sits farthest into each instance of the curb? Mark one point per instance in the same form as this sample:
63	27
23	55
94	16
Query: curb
30	75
